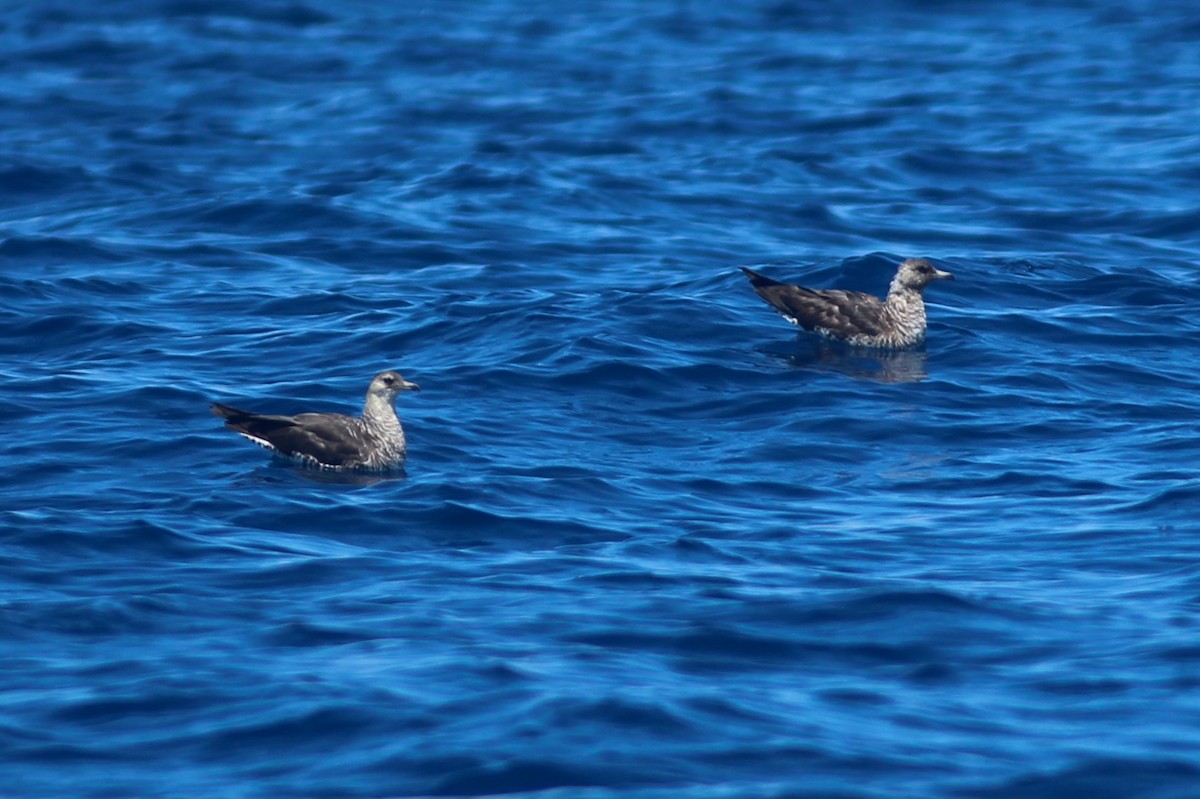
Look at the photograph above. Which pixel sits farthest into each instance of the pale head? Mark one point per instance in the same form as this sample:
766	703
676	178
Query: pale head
917	273
388	384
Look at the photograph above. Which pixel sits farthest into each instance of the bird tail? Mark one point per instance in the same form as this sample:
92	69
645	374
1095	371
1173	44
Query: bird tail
757	280
228	412
255	425
248	422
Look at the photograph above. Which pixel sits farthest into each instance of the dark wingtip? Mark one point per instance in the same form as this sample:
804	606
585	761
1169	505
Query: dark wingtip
226	412
756	279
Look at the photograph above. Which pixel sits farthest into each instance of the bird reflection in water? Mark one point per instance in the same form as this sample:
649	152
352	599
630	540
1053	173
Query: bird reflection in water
883	366
281	470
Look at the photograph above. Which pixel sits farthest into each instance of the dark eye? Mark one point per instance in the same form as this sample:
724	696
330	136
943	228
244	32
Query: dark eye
925	270
388	380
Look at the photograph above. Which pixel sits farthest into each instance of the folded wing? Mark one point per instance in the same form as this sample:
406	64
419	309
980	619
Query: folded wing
326	438
844	314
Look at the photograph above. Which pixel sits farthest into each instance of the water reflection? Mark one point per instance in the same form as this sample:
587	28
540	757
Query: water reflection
883	366
282	470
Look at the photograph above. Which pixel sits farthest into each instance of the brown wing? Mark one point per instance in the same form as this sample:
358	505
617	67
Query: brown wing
332	439
841	313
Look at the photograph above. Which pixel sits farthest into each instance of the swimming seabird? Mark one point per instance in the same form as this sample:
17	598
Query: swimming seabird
852	316
372	442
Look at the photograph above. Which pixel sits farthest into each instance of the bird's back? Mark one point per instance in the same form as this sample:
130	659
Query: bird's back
843	314
327	439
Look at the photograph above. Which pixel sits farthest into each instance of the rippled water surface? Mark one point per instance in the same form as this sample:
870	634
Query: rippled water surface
651	541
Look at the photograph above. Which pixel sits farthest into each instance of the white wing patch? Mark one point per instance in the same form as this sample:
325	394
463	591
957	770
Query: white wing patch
262	442
298	457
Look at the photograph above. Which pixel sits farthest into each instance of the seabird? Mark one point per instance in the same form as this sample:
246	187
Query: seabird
860	319
372	442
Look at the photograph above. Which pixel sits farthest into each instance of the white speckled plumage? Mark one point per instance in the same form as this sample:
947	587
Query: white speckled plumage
895	322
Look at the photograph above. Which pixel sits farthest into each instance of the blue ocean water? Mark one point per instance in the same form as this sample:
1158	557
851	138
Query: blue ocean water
651	541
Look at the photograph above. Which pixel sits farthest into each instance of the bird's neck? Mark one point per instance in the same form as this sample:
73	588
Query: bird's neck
904	297
380	416
906	306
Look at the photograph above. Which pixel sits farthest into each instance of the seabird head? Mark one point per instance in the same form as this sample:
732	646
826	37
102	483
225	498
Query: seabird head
388	384
917	273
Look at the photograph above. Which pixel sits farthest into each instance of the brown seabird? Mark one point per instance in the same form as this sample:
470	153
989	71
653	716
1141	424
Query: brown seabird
896	322
371	442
